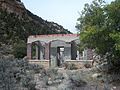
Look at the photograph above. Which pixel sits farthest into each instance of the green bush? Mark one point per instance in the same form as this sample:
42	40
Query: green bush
14	29
28	82
52	75
15	74
37	68
19	49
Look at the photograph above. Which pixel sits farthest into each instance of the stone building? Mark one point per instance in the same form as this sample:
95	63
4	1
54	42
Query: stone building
55	49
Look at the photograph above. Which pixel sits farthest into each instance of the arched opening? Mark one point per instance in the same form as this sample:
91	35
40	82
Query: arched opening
57	52
36	50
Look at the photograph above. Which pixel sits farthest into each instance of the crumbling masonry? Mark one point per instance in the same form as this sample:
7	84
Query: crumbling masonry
55	49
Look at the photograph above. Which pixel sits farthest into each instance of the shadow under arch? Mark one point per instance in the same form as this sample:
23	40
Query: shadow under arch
39	41
38	50
58	52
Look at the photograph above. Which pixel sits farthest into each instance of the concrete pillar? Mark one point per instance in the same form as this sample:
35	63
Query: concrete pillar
85	54
38	50
29	50
47	51
73	50
41	53
67	52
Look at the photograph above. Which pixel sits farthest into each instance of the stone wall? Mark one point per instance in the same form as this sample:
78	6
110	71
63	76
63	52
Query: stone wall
79	63
53	37
58	43
45	63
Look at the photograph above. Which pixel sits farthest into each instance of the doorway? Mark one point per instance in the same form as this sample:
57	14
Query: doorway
60	55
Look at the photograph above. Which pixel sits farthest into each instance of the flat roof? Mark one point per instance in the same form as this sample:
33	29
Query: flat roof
53	37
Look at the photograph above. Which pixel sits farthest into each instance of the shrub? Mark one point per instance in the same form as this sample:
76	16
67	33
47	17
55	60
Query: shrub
70	66
77	79
52	76
87	65
36	68
15	74
19	49
28	81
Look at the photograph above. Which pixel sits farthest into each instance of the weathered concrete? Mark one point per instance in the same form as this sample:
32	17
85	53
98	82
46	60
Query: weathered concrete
37	50
73	50
57	48
47	51
49	38
79	63
45	63
29	51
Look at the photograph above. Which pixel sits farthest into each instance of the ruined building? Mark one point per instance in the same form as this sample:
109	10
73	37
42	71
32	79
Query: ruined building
53	50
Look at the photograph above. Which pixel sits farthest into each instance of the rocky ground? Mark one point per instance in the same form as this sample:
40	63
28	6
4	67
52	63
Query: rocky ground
82	79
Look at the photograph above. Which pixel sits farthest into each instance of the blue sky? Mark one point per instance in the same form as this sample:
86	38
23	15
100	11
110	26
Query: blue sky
63	12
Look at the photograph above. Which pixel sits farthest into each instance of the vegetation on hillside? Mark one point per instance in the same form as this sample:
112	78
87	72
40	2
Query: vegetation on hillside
14	30
16	74
99	26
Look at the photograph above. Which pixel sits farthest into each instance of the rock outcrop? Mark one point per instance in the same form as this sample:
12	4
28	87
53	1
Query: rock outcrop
17	7
13	6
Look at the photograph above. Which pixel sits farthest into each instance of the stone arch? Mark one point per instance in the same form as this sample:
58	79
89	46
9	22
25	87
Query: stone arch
55	43
77	41
59	52
35	50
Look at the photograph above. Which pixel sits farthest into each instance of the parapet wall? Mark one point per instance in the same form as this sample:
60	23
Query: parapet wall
53	37
45	63
79	63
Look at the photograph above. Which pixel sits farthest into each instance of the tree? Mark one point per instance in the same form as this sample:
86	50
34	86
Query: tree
19	49
14	29
99	26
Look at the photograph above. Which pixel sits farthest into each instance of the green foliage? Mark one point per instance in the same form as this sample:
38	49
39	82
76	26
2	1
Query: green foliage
17	74
37	68
19	49
14	30
28	81
99	26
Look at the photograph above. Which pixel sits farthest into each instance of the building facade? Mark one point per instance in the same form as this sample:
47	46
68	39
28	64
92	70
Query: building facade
55	49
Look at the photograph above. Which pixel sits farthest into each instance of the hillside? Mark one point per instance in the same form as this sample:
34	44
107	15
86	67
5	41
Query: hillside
17	23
